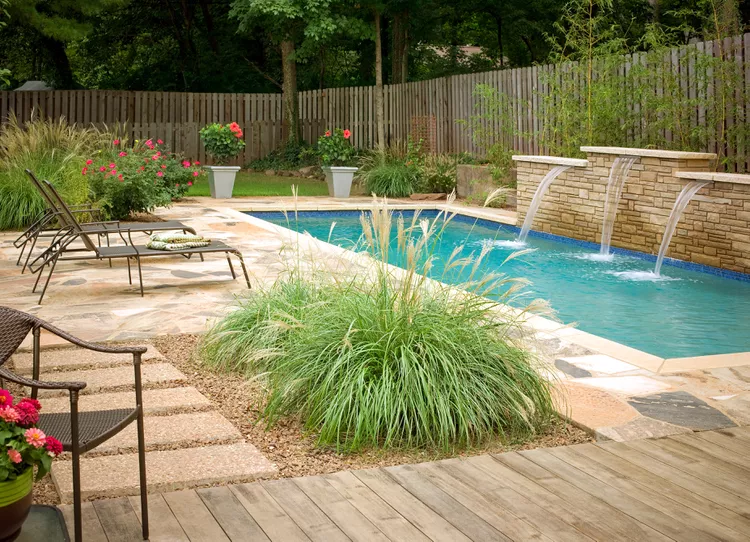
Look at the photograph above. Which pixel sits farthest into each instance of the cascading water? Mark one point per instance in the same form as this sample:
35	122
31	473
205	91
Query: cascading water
680	203
618	175
537	200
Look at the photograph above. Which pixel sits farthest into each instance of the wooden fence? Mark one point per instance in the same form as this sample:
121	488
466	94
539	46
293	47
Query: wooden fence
430	110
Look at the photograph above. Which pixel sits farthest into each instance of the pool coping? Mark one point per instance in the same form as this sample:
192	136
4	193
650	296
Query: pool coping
539	324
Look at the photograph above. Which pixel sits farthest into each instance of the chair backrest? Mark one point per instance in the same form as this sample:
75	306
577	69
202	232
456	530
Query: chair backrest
14	327
48	200
67	217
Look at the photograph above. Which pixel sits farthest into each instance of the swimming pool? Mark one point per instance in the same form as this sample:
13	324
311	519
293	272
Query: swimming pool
687	312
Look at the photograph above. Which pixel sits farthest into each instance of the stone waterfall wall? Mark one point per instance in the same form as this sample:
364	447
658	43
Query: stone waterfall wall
714	229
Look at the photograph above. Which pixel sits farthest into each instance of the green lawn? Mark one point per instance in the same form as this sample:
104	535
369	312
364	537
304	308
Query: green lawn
257	184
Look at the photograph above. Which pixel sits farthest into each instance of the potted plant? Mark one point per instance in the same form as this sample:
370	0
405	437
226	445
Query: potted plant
336	152
222	142
22	447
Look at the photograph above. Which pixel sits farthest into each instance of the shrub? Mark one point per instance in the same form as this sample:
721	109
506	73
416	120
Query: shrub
389	173
53	150
223	142
438	174
290	156
374	358
335	149
125	180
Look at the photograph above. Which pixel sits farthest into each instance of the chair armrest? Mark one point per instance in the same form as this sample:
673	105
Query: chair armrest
41	384
93	346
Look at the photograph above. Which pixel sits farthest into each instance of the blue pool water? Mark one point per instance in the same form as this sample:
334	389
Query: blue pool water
687	313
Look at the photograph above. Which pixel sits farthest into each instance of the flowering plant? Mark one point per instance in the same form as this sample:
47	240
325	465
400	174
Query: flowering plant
127	179
335	149
223	142
22	444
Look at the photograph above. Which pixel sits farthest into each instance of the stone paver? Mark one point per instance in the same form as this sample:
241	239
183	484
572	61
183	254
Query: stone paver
117	475
112	378
179	430
625	385
639	428
599	363
77	358
155	402
681	408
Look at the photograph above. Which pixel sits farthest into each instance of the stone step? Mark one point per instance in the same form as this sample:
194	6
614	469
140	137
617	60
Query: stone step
117	475
67	359
172	432
155	402
153	375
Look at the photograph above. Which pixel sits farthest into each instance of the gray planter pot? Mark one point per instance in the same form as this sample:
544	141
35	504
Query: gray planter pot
339	180
221	180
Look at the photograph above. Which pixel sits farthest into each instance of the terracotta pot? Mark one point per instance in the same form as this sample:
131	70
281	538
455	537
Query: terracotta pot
15	503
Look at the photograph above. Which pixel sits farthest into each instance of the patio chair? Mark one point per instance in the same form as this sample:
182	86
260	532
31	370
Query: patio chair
79	432
73	231
54	211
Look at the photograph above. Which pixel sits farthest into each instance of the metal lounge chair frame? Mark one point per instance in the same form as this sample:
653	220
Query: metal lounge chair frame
79	432
54	213
72	231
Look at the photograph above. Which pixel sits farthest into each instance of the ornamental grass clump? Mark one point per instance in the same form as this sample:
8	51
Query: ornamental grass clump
370	356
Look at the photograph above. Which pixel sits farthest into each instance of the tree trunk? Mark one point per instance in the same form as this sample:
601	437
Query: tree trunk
499	23
400	49
379	112
59	56
291	105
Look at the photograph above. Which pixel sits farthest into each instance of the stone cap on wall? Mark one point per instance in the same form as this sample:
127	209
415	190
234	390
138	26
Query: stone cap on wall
652	153
555	160
736	178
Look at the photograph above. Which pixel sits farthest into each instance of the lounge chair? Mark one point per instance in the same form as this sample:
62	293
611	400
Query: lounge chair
55	210
78	432
72	231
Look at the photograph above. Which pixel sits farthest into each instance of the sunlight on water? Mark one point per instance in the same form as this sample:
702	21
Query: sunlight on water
595	257
511	244
640	276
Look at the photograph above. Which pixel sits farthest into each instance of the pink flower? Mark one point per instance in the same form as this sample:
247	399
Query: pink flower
196	163
149	143
234	127
28	415
33	402
159	141
53	446
84	170
190	183
177	185
89	162
155	157
238	135
159	174
9	415
35	437
14	456
116	142
158	153
103	168
328	133
195	173
164	166
120	176
347	133
112	165
123	153
6	399
186	163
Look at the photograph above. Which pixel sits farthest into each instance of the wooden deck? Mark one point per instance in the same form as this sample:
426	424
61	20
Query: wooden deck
691	487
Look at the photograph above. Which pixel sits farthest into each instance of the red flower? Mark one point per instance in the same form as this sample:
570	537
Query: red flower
6	399
159	141
33	402
347	133
112	165
143	168
196	163
103	168
84	170
190	183
186	163
159	174
328	133
164	166
53	446
177	185
235	127
27	414
120	176
158	153
149	143
123	153
89	162
116	142
155	157
238	135
195	173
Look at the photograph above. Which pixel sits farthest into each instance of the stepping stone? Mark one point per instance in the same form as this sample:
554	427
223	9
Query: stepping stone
67	359
626	385
117	475
155	402
571	370
116	378
177	431
599	363
683	409
639	428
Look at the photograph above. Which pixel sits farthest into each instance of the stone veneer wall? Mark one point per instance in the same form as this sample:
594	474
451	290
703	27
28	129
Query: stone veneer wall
714	229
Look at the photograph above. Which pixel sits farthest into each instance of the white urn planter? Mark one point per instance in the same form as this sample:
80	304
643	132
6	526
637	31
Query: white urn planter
221	180
339	179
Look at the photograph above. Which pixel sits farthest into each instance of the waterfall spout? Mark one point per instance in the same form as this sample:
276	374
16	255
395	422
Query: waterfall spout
680	203
548	179
618	175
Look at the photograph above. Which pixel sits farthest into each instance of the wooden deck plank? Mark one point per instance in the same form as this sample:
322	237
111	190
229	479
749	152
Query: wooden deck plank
277	525
697	485
162	525
233	518
685	497
519	520
411	508
118	520
311	519
627	528
703	470
702	456
346	517
91	527
718	451
380	513
195	519
578	457
730	441
631	506
462	517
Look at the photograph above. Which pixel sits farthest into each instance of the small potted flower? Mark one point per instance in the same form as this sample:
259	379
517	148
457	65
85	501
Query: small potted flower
337	153
22	447
222	142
